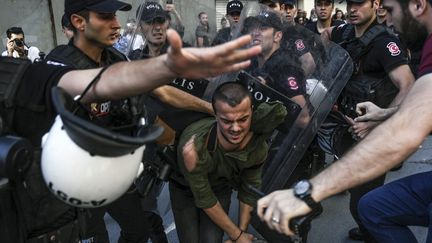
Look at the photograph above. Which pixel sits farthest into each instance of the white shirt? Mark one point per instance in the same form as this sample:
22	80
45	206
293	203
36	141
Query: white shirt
33	53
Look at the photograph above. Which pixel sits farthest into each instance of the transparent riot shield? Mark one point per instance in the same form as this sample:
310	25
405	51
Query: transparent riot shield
305	72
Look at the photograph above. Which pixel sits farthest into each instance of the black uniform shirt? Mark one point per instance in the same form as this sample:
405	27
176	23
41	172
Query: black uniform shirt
222	36
313	26
296	39
281	74
35	89
385	53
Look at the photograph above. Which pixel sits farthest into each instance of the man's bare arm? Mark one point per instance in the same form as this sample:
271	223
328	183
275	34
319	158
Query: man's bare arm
244	215
180	99
133	78
388	144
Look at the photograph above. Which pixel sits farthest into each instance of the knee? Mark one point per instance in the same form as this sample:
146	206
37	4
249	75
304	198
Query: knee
366	208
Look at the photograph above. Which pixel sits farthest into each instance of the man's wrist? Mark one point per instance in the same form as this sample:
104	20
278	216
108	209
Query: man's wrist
235	238
303	191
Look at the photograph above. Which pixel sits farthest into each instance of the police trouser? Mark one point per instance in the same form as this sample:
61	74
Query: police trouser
128	212
360	191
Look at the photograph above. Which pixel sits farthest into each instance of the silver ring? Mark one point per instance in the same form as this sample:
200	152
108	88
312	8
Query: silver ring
275	220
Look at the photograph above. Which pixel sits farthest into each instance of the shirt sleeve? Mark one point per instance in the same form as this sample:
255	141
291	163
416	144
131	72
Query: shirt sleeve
197	179
390	53
267	117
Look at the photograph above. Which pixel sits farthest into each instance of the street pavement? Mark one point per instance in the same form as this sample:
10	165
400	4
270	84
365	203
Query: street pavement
332	226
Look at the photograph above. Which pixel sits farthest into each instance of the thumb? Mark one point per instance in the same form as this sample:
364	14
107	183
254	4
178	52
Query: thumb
175	41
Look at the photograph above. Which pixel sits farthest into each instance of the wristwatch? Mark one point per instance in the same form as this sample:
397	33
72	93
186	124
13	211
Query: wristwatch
303	190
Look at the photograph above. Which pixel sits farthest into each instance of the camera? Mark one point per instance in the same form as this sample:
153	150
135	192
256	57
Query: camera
18	42
16	155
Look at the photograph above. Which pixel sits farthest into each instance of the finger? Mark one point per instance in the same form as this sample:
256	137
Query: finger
175	41
350	120
284	226
262	205
363	118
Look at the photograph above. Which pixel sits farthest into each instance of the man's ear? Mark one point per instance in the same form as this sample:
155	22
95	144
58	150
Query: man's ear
417	7
278	36
78	22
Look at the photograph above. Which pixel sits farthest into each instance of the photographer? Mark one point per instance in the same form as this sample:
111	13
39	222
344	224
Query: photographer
16	46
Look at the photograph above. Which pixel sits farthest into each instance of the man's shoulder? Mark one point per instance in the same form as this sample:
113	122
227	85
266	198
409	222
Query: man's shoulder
62	54
198	128
342	32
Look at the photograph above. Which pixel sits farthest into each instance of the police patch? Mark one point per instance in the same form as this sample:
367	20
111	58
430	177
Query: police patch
292	82
393	49
299	45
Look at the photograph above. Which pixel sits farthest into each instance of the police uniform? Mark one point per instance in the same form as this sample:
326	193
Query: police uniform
127	210
296	41
369	82
313	26
29	212
222	36
283	75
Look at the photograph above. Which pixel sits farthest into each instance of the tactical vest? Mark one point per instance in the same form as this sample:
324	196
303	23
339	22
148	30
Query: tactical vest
27	207
362	87
125	113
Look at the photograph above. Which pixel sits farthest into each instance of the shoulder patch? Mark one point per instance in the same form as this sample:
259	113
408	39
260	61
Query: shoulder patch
393	48
299	45
292	83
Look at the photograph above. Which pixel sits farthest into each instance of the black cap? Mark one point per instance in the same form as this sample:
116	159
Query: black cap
98	6
270	19
262	1
234	6
353	1
152	10
289	2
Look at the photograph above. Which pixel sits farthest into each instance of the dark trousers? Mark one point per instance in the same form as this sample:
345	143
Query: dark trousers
356	194
360	191
127	211
387	211
192	223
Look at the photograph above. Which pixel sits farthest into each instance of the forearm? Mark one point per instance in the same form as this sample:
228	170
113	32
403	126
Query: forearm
218	215
244	215
180	99
119	80
403	79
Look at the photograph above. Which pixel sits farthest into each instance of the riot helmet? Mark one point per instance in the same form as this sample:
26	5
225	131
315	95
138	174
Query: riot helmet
86	165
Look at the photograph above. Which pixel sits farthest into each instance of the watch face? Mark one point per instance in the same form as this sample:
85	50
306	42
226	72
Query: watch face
302	187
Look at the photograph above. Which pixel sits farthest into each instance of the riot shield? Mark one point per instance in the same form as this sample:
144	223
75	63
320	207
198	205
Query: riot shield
286	75
131	38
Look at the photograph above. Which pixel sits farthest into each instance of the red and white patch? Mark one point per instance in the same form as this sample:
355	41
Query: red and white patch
299	45
292	82
393	49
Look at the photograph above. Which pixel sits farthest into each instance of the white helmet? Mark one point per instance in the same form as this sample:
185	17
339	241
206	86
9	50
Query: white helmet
86	165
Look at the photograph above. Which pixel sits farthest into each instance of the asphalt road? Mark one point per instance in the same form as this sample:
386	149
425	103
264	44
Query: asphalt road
333	225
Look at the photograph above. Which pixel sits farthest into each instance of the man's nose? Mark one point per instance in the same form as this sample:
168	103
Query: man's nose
235	127
116	23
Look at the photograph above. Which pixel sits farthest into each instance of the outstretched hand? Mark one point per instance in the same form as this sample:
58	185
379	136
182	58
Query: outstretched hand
278	208
196	63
